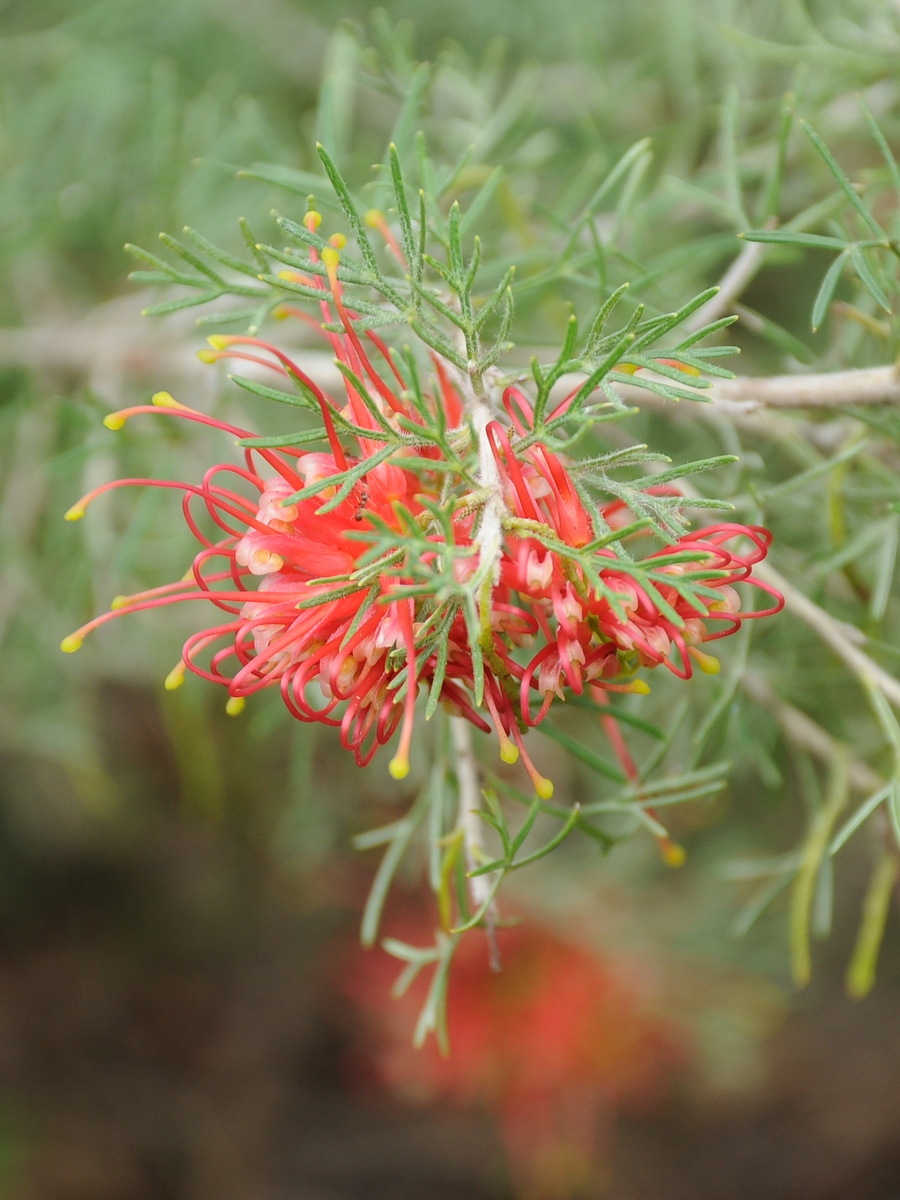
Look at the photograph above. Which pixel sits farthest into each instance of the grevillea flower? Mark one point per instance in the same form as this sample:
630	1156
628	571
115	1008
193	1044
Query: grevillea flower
349	639
554	1046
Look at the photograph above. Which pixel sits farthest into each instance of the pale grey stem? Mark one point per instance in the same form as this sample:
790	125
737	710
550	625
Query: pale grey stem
745	414
469	803
731	286
739	397
805	733
843	639
837	389
490	528
469	821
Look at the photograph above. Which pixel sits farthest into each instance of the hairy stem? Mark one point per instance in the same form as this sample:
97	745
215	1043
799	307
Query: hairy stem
469	805
490	529
470	822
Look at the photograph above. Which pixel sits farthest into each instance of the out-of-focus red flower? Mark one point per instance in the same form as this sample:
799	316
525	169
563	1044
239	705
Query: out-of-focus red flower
554	1045
354	654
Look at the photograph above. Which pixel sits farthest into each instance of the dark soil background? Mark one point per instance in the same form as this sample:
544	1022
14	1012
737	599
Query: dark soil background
167	1032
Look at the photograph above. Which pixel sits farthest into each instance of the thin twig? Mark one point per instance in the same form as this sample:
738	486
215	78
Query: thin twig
489	537
844	639
840	637
471	823
469	805
732	284
836	389
805	733
873	386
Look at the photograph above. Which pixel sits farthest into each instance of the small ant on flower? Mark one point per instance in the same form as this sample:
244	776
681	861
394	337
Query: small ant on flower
360	513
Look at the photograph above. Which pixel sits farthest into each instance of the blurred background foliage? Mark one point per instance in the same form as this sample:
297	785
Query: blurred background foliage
172	881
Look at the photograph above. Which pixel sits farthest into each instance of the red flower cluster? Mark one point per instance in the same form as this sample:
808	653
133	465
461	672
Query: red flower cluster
555	1045
352	657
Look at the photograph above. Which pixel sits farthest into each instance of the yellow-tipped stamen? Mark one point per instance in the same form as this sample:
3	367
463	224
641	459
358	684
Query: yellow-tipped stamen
208	356
75	513
175	677
673	854
115	420
235	705
165	400
312	220
707	664
338	241
188	576
374	218
119	602
71	643
219	341
331	257
399	766
509	752
292	277
638	687
543	787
